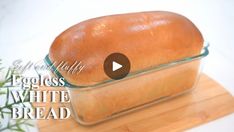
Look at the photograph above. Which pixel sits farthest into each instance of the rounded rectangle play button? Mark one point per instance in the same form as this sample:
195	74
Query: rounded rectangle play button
116	66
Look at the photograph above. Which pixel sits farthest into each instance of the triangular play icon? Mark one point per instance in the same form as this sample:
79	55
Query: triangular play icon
116	66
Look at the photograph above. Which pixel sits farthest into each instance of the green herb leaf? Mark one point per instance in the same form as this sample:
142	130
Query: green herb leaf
7	96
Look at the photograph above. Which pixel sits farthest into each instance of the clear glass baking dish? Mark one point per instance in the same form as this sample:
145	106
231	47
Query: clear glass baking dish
103	101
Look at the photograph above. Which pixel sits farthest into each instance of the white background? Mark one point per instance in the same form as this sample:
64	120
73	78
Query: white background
27	29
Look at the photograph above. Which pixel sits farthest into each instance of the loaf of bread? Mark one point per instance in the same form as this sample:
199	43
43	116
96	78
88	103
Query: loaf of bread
148	39
98	104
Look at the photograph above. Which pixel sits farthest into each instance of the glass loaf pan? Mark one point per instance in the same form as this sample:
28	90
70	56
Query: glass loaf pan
103	101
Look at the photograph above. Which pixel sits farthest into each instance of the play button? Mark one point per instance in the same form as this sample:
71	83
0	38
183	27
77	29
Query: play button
116	66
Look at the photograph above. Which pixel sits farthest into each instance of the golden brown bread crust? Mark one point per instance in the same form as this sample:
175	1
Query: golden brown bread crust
147	39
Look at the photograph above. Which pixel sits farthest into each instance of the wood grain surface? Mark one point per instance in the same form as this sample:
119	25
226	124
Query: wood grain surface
209	101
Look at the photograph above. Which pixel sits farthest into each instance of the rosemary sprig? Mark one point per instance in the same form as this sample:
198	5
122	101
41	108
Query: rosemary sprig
18	124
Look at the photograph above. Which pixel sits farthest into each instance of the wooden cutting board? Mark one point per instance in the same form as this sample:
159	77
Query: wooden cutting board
209	101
